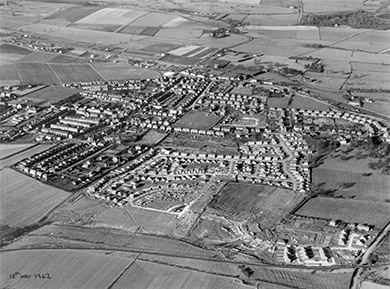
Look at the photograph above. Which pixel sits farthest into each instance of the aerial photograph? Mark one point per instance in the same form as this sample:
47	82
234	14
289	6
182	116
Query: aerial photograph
195	144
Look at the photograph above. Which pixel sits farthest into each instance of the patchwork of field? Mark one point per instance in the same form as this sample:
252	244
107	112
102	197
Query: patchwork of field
353	211
24	200
116	72
193	51
62	269
144	274
112	16
198	120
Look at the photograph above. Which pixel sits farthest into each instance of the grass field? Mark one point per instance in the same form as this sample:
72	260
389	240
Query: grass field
9	149
373	187
282	102
308	103
36	73
116	72
97	27
24	200
69	73
239	201
197	119
54	93
152	137
354	211
144	274
66	269
22	155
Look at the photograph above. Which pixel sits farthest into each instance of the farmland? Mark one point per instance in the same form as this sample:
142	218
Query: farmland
36	73
69	73
156	276
353	211
74	14
66	269
126	240
112	16
198	119
9	75
24	200
116	72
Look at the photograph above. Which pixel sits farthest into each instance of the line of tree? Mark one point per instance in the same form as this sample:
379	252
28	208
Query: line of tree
356	19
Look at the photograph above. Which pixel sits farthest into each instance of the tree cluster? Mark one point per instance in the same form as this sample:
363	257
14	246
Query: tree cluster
356	19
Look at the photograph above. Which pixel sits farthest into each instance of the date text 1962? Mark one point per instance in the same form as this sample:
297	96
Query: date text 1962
28	276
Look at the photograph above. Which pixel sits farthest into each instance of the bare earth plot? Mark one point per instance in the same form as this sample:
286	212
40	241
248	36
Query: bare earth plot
134	219
115	72
143	274
66	269
354	211
69	73
36	73
24	200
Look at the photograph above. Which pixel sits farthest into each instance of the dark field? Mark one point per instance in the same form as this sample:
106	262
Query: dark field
74	14
131	30
150	31
36	73
69	73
